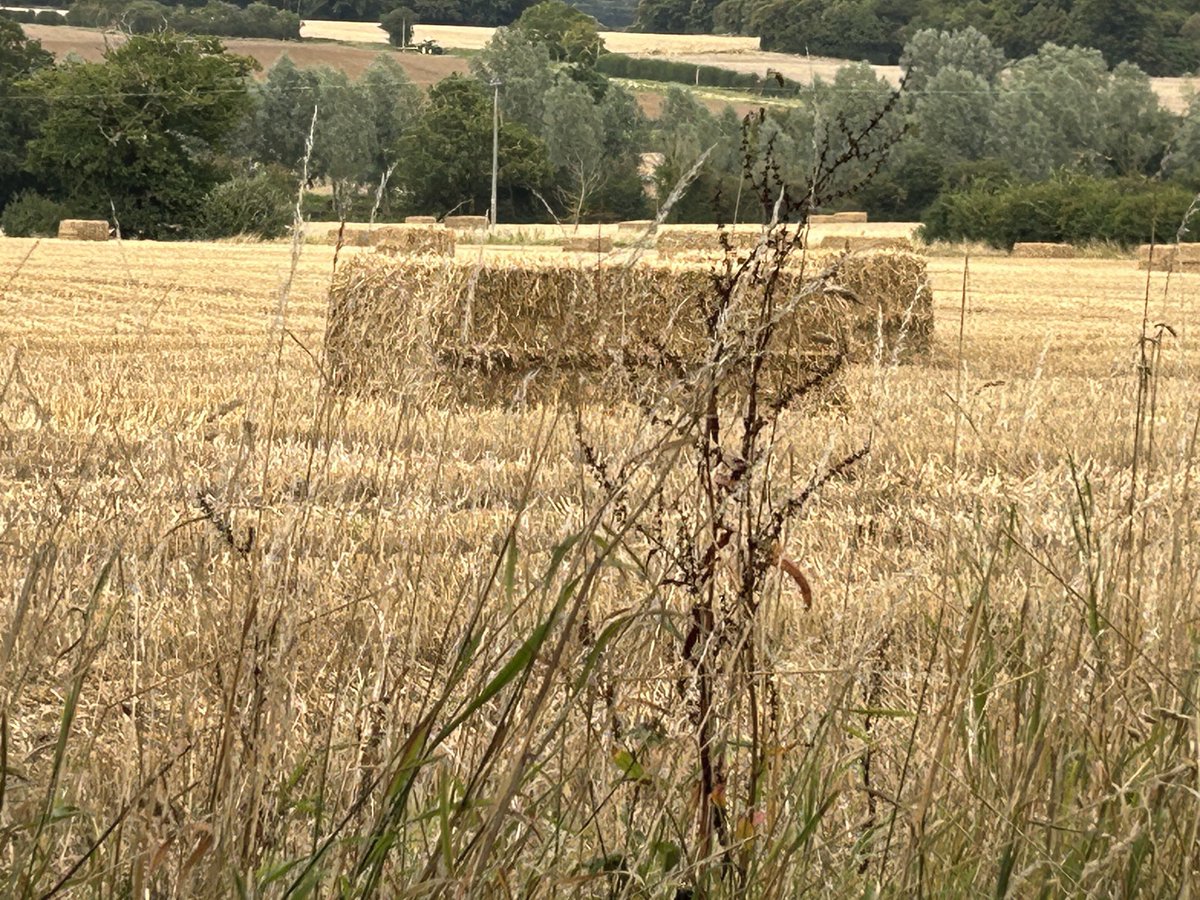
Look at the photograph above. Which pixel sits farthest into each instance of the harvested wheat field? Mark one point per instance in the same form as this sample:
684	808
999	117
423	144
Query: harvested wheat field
920	624
90	44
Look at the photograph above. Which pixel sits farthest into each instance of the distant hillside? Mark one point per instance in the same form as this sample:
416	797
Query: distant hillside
614	15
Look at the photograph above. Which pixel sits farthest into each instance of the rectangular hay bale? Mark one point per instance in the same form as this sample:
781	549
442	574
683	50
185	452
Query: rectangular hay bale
1183	257
1043	250
83	230
351	236
579	243
414	239
478	328
466	223
705	240
851	243
845	218
420	220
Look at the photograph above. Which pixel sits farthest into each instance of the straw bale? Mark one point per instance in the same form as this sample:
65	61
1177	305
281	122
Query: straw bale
83	230
706	240
484	330
1043	250
635	226
1170	257
822	219
844	218
352	236
466	223
420	220
580	243
414	239
855	242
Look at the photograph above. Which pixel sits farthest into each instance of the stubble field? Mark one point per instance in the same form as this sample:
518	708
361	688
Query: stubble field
231	598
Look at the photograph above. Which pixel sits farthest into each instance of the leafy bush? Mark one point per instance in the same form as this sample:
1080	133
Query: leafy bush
49	17
30	214
1074	209
258	204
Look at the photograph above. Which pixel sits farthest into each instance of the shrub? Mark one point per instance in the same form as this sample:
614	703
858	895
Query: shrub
1071	209
23	16
30	214
259	204
49	17
618	65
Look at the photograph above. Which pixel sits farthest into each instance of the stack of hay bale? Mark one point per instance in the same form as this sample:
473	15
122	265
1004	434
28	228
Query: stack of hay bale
83	230
480	330
1170	257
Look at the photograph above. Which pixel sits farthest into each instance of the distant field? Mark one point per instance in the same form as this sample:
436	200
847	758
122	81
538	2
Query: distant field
90	43
464	37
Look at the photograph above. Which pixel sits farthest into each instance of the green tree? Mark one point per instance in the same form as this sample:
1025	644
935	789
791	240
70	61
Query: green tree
568	34
1048	112
574	136
344	141
399	25
141	132
685	131
953	114
1182	160
968	50
1116	28
393	103
523	68
1134	130
19	58
448	154
284	113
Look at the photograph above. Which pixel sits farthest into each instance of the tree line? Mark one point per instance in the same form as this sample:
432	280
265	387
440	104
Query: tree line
173	137
1162	37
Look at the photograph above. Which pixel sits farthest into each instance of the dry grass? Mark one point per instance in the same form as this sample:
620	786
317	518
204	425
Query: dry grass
999	660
